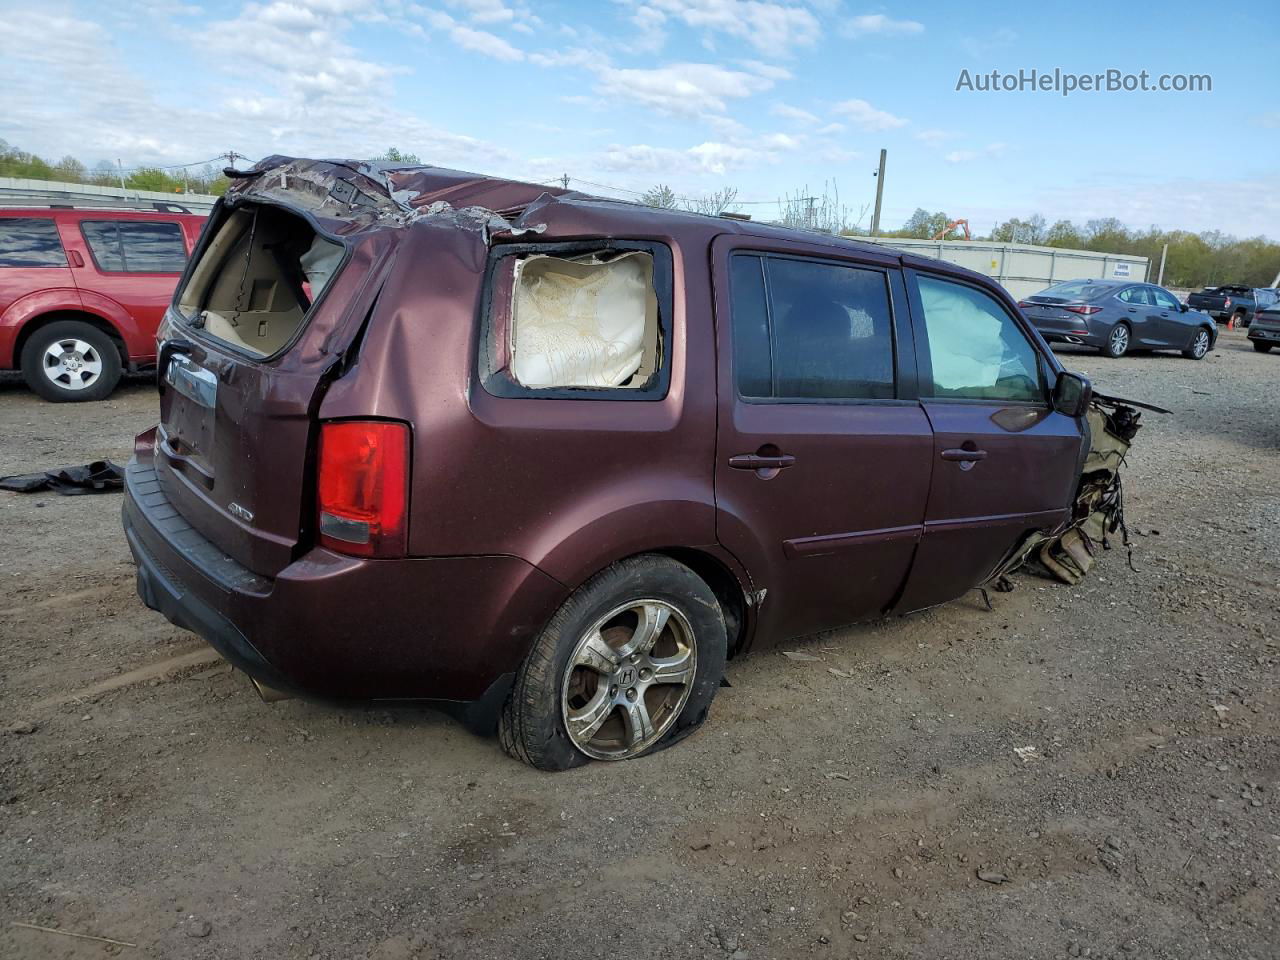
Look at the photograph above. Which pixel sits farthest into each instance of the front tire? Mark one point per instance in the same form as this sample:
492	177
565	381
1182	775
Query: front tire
1199	347
70	362
1261	346
627	665
1117	341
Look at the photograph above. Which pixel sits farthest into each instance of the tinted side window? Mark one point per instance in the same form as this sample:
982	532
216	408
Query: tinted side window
823	331
1164	299
152	247
136	246
976	349
30	242
104	244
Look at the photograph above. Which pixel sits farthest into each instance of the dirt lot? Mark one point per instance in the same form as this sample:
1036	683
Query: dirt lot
160	802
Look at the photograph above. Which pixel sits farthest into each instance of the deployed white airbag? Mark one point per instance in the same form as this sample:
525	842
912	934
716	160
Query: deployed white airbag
585	322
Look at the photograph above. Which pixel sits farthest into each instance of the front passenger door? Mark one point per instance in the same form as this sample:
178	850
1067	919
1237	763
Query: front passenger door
1170	329
1005	462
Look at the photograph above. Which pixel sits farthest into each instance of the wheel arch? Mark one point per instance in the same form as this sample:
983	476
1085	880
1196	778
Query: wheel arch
38	322
717	572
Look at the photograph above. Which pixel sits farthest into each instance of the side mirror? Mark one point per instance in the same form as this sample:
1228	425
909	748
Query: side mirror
1072	394
1183	307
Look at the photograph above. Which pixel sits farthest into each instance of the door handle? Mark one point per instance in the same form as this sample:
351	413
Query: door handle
964	456
1133	309
76	259
754	461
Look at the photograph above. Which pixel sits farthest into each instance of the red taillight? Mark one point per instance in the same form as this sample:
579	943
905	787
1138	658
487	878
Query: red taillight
1023	304
364	487
1087	311
1226	303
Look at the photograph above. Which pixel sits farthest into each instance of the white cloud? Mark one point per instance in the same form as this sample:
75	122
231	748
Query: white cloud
769	70
982	47
773	28
934	137
689	89
870	23
964	156
287	90
573	57
866	117
469	38
831	128
712	157
793	113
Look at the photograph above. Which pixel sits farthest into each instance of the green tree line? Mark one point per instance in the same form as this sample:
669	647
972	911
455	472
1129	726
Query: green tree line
1208	258
15	162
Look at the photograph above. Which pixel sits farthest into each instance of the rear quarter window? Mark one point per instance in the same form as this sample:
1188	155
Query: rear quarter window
30	242
135	246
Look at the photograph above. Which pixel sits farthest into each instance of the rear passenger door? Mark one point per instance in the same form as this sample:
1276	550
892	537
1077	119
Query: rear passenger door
135	263
823	454
1004	461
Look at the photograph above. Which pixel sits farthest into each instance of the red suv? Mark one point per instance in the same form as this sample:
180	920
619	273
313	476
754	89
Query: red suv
82	292
547	459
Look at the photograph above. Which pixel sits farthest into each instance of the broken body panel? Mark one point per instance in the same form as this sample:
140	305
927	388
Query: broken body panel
523	485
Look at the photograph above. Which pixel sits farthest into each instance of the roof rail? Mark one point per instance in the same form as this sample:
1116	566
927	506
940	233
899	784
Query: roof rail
145	207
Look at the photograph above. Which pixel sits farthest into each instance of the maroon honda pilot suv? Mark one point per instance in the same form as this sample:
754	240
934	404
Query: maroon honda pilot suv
546	460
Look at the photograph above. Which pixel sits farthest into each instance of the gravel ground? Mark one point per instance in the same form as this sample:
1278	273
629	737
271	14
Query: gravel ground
882	811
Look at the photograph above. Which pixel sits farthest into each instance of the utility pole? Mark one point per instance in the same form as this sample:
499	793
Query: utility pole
879	175
564	181
1163	253
232	157
120	173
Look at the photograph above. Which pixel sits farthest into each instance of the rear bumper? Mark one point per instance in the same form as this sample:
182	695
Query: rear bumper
1058	336
1268	334
449	631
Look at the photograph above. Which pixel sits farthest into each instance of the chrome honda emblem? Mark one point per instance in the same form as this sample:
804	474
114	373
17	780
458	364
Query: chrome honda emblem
238	511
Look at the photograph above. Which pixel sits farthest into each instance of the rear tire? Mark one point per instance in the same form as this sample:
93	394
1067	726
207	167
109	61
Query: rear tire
632	659
1117	344
70	362
1261	346
1200	344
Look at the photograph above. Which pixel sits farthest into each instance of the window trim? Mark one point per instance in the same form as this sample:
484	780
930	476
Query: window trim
124	259
57	233
501	384
924	356
888	274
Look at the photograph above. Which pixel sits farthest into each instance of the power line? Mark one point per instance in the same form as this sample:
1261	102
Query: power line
641	193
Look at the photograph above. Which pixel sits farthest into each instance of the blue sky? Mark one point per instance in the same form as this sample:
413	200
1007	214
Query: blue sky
768	96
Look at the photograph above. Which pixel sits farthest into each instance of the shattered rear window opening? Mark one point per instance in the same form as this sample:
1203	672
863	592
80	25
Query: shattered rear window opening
584	322
257	278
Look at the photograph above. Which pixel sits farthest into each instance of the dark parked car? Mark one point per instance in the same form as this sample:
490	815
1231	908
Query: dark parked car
1264	332
427	435
1117	316
1233	302
83	291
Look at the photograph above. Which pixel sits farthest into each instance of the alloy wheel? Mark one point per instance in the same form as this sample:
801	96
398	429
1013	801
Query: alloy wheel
1119	340
628	679
72	364
1200	346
